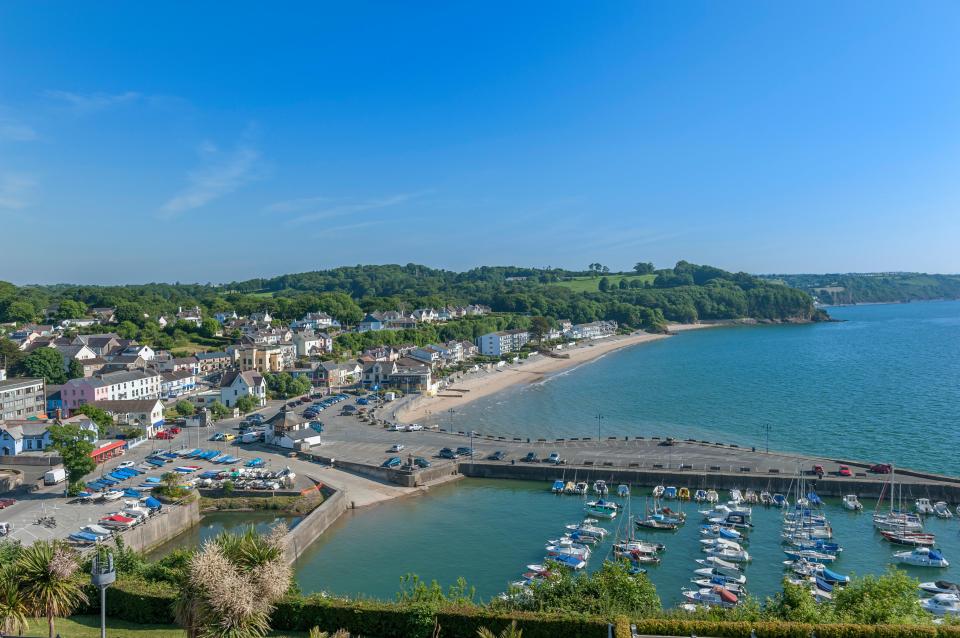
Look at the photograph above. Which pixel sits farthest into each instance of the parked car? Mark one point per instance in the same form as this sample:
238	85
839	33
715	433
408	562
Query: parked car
126	464
255	418
880	468
414	427
531	457
304	399
554	458
447	453
7	502
818	469
393	461
421	462
497	456
397	447
844	471
465	451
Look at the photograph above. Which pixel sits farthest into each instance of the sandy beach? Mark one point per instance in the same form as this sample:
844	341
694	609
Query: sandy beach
475	385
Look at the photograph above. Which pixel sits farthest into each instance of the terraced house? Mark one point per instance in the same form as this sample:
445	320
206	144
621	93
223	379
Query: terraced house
112	386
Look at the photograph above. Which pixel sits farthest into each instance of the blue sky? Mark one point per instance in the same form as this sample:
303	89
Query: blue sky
182	141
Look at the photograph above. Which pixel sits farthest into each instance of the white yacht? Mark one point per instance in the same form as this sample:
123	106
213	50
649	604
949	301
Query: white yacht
922	557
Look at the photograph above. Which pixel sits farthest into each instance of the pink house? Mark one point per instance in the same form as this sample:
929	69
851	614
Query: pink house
112	386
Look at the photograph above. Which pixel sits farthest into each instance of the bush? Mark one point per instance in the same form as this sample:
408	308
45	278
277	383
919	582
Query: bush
135	600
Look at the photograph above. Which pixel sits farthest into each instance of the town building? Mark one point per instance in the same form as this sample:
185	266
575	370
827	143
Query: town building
21	398
234	385
175	384
287	429
495	344
111	386
144	414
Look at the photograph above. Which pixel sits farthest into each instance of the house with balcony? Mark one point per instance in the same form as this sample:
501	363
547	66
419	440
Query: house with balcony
495	344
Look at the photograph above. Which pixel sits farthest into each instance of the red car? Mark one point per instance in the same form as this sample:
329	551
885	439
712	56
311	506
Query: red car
881	468
844	471
7	502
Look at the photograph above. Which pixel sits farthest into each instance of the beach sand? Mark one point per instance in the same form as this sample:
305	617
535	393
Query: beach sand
475	385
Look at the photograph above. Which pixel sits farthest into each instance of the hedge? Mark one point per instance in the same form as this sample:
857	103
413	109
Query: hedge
718	629
134	600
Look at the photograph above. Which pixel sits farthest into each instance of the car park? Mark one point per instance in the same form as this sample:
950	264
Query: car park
497	456
447	453
393	461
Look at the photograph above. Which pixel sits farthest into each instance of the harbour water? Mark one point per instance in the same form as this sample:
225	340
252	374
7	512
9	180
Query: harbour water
214	523
881	386
488	530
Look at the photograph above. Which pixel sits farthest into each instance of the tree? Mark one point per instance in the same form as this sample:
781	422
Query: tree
74	445
209	327
604	284
643	268
74	369
45	579
184	408
13	609
218	411
232	585
20	312
70	309
539	326
508	632
878	600
247	403
46	363
10	354
128	330
101	417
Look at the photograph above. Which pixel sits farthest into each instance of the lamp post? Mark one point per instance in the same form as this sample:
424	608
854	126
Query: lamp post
599	418
102	575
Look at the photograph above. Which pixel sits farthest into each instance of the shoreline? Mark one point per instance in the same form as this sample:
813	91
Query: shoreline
469	387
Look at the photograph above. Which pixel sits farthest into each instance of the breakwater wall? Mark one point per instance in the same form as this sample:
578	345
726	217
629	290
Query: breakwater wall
171	521
401	477
316	522
828	486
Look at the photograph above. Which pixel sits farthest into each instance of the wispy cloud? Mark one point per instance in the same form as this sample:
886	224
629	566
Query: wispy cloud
312	209
220	174
15	131
91	102
15	189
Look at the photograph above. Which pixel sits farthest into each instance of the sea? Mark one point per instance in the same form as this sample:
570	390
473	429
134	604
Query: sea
882	384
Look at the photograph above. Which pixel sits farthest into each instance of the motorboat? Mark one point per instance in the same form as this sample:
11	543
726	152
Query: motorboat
766	498
719	582
683	494
898	521
658	491
643	547
623	491
657	521
923	506
807	568
581	488
97	530
588	530
112	495
729	554
641	558
720	542
780	500
942	605
719	531
817	545
570	488
738	520
710	572
810	555
567	560
922	557
670	493
736	497
83	538
941	587
583	553
749	496
700	496
912	539
600	487
117	521
712	596
602	509
942	510
713	496
557	487
720	565
852	503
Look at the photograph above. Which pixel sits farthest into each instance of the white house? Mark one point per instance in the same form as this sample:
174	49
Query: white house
145	414
287	429
238	384
495	344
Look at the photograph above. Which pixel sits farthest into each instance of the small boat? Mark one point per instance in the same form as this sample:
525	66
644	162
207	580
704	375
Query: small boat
572	562
736	497
588	530
581	488
718	531
84	538
810	555
852	503
766	498
683	494
600	487
898	522
780	500
816	545
911	539
570	488
670	493
644	547
923	506
658	491
720	565
750	497
720	542
733	519
583	553
941	587
814	500
806	568
557	487
601	508
922	557
942	605
117	521
942	510
623	491
112	495
641	558
712	596
657	521
709	572
96	530
713	496
719	582
729	554
700	496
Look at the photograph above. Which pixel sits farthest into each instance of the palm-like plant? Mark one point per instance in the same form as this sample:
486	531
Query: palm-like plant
13	610
232	584
509	632
44	575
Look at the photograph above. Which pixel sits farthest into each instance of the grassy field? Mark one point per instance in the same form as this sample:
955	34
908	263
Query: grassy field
89	627
592	284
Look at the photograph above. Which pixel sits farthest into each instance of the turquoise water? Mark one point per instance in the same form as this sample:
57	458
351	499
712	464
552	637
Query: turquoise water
882	386
216	522
488	530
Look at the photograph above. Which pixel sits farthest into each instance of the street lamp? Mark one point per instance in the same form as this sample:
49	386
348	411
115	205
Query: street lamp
102	575
599	418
